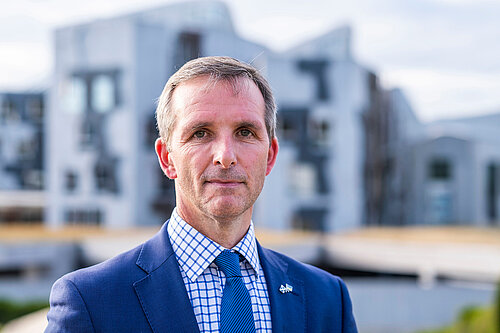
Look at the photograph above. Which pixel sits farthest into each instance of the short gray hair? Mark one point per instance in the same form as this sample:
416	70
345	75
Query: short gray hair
217	69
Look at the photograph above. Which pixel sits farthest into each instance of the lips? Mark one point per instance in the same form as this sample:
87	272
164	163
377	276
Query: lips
224	182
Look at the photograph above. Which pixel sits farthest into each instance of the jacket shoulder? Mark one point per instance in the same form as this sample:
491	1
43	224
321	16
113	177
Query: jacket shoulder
304	271
326	296
117	268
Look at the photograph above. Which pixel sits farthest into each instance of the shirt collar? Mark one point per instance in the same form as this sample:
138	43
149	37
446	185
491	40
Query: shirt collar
195	252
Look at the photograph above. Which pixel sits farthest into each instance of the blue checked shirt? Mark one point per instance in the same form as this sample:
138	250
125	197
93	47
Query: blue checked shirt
204	283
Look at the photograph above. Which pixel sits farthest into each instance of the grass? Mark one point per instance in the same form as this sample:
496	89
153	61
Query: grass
10	310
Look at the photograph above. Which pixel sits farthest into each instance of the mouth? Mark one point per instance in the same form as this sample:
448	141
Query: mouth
224	182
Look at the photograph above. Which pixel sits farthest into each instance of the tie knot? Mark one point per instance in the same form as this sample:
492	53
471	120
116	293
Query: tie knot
229	263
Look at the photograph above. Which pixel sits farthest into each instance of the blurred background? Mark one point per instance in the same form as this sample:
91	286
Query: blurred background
389	166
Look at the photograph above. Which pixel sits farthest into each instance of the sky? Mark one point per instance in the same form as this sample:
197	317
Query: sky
444	54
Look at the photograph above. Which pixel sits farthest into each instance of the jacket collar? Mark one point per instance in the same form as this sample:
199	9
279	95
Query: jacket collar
162	293
287	307
165	302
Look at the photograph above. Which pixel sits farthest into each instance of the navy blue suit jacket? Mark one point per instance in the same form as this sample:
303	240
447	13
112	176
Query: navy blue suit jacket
142	291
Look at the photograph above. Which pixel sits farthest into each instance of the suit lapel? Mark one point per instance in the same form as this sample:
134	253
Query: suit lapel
287	309
162	293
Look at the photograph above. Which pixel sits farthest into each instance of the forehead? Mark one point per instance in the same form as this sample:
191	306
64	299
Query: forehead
202	94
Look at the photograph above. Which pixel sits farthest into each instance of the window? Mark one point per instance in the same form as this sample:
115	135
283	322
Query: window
34	108
26	150
83	216
90	133
318	69
9	111
320	131
105	176
303	180
91	91
70	181
151	132
32	179
293	125
188	48
103	93
287	130
313	219
74	95
15	215
492	192
440	169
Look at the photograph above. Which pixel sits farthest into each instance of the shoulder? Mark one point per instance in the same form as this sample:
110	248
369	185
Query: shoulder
76	297
325	295
114	270
128	266
319	285
304	271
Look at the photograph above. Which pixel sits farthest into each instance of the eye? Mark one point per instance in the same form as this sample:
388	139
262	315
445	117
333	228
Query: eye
245	132
199	134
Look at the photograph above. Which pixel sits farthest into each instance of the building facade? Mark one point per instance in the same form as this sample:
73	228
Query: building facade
322	94
351	152
21	157
102	167
455	174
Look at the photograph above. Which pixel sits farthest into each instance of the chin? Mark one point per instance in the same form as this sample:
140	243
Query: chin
227	210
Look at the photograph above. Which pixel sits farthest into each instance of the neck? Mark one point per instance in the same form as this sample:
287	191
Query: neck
226	231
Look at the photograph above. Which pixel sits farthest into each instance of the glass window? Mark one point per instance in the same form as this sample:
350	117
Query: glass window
309	219
35	108
33	179
103	93
71	181
320	131
440	169
318	69
303	180
83	216
26	150
75	95
8	111
188	47
492	192
287	130
105	176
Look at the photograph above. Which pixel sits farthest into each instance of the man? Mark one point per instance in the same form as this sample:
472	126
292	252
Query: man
204	270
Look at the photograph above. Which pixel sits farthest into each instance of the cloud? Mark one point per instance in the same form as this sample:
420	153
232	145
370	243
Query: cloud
445	94
444	53
24	65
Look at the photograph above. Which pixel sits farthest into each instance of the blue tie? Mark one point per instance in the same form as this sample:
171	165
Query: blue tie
236	315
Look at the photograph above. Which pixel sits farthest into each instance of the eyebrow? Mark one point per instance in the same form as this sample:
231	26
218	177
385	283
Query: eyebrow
248	124
197	126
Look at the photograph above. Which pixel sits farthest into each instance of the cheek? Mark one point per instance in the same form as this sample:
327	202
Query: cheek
257	163
192	165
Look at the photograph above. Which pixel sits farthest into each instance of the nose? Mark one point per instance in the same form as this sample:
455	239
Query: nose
224	154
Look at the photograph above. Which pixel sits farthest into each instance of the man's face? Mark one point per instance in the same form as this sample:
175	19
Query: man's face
220	152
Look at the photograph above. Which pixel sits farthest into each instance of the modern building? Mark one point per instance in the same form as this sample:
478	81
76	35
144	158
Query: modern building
391	128
21	157
351	152
323	95
456	173
102	168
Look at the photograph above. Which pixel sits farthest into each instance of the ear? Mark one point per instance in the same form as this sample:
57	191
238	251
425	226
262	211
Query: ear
271	155
165	159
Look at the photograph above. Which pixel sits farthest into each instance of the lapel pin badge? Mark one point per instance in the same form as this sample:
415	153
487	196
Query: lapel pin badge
286	288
